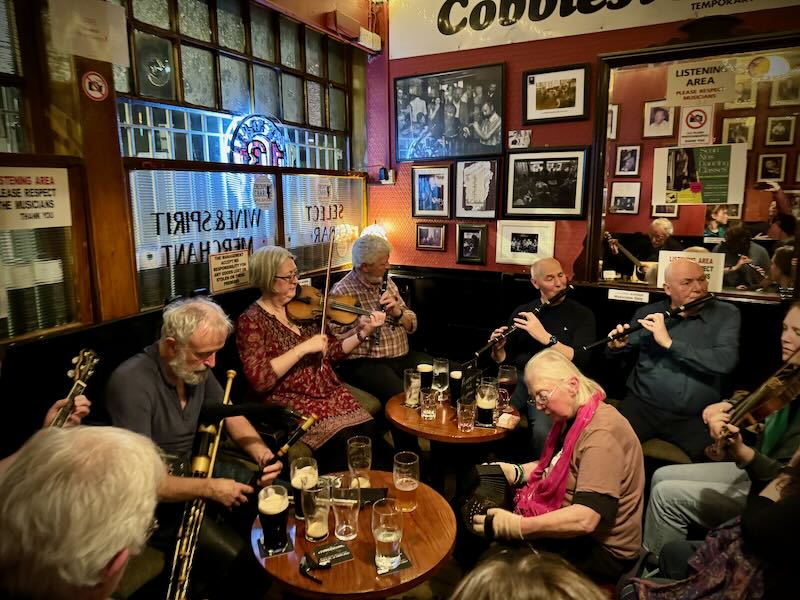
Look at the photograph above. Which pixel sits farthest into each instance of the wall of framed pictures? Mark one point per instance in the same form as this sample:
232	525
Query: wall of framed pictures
548	61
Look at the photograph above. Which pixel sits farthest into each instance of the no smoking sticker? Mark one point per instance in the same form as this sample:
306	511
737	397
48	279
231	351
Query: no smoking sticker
94	86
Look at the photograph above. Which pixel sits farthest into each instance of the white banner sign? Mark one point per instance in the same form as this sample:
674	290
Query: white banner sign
420	27
228	270
703	82
32	197
713	264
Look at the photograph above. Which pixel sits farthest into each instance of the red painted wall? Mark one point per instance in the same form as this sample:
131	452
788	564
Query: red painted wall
391	205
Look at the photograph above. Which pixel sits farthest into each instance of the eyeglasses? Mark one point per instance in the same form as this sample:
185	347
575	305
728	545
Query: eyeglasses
290	277
542	398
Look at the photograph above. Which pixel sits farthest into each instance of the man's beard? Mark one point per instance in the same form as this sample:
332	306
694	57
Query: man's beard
178	366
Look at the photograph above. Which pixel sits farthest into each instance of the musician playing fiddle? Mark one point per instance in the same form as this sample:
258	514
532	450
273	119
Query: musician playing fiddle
564	325
377	365
289	363
680	362
709	494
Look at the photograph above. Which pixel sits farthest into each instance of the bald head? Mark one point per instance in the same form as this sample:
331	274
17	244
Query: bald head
544	265
684	281
682	267
548	277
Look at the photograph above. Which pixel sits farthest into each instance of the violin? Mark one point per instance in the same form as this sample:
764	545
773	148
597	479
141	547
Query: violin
781	388
307	305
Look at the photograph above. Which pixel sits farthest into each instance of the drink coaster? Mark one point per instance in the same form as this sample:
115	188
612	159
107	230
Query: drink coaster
334	553
404	564
264	553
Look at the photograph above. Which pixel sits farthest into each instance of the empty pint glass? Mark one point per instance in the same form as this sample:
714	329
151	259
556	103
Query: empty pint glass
273	511
303	475
316	506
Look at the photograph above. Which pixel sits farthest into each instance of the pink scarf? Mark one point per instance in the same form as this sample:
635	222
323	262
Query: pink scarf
543	495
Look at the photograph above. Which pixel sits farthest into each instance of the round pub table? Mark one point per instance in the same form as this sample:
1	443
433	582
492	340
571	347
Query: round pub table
429	534
444	428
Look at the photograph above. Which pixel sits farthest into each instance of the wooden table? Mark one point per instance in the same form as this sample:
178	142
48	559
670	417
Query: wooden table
444	428
429	535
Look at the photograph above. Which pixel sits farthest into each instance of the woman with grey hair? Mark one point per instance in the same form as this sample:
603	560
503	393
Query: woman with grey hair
290	363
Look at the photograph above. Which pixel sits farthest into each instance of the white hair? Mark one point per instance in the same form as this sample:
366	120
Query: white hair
264	266
551	365
536	266
368	249
183	317
70	502
663	224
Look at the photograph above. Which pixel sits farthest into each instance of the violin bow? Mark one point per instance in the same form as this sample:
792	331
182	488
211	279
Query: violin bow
327	285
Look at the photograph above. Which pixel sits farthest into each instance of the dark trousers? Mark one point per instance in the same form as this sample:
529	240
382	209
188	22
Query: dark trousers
690	434
381	377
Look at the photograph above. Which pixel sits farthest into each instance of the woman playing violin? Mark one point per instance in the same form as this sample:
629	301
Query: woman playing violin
290	363
709	494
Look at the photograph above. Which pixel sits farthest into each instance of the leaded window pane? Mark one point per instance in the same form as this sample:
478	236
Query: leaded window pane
154	66
193	19
152	12
267	91
262	35
315	108
198	76
290	44
235	85
338	103
230	25
293	101
336	62
9	42
313	53
12	132
122	79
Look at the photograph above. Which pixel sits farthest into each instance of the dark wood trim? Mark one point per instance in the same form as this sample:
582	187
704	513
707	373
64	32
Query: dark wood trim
83	280
133	163
35	76
280	233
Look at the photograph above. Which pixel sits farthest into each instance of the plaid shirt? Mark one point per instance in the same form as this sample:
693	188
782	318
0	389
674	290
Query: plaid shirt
394	337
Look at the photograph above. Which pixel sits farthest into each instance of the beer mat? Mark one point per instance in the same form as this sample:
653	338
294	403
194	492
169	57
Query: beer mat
482	426
372	495
264	553
411	406
404	564
335	553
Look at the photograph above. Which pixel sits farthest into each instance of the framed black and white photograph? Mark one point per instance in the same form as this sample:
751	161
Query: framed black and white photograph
519	138
431	236
745	93
785	91
771	167
668	211
449	115
628	160
476	188
738	130
555	94
546	183
430	191
733	210
780	131
471	244
523	242
611	124
659	119
625	197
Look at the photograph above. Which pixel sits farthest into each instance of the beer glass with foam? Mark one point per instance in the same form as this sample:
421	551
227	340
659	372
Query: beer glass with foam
303	475
405	475
316	506
486	403
273	511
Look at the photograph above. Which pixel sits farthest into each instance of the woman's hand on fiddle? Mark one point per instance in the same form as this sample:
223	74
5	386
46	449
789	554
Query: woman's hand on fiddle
621	342
370	323
530	323
714	409
719	425
314	344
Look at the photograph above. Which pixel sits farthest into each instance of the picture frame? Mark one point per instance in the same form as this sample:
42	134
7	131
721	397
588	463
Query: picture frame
780	131
659	119
745	90
555	94
430	191
613	119
471	244
476	188
771	167
546	182
432	236
668	211
435	114
738	130
797	171
624	198
785	91
628	160
734	210
519	138
524	242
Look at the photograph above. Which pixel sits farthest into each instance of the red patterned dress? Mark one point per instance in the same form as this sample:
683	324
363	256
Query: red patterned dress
309	386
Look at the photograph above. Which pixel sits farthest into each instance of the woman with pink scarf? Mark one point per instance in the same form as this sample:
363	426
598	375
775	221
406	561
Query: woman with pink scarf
583	498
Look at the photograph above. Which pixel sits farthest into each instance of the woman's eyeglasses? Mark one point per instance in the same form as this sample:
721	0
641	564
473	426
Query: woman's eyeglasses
290	277
542	398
